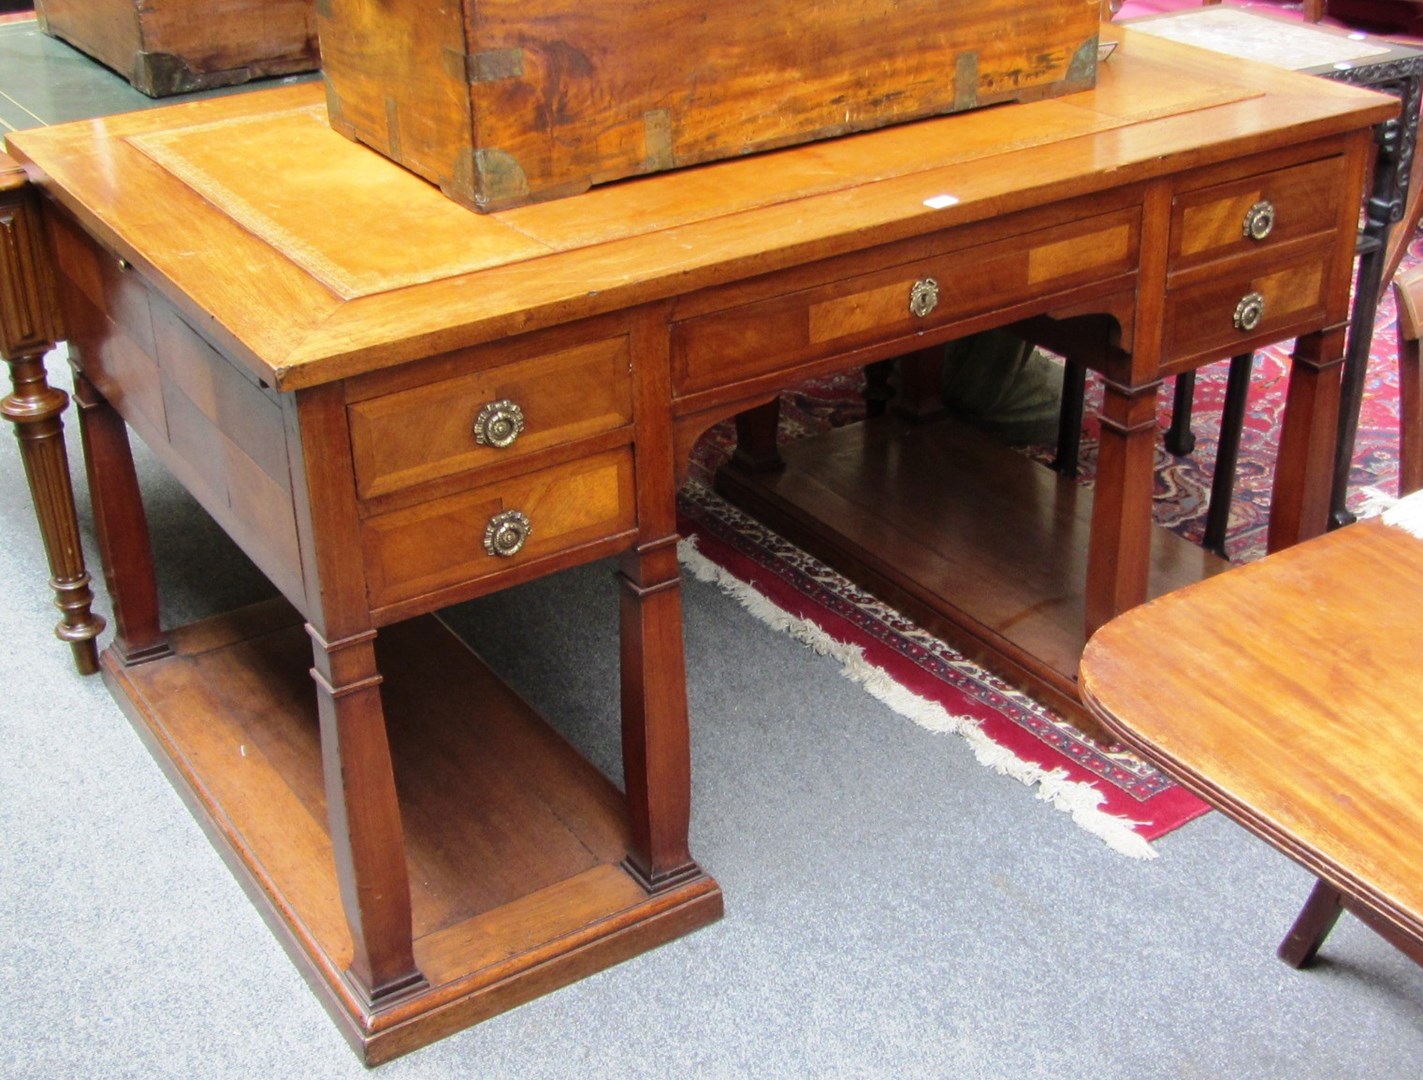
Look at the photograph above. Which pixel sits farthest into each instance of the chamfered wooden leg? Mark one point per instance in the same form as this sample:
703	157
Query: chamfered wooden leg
1119	557
1318	916
657	764
1299	502
366	832
27	332
121	527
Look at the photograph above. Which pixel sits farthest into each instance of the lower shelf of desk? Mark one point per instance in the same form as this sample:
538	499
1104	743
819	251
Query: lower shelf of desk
981	545
514	842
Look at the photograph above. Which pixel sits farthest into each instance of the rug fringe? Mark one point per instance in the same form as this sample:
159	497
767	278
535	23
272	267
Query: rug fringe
1080	800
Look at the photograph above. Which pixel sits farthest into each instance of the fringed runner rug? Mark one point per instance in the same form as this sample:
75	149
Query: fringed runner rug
1106	790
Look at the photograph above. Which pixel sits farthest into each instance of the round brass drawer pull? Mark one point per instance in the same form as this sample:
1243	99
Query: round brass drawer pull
1259	220
505	534
1249	312
498	424
924	297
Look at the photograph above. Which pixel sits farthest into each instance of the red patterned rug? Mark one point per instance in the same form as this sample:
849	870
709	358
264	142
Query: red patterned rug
1106	790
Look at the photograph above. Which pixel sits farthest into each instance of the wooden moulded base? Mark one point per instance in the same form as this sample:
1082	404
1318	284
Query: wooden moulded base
515	844
981	545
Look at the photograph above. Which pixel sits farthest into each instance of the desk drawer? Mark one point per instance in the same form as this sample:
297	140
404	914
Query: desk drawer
1254	212
447	542
433	430
1237	308
724	347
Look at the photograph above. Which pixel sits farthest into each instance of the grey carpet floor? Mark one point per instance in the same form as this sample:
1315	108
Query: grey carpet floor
892	908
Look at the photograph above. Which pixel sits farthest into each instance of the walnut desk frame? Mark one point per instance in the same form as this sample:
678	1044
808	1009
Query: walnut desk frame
393	404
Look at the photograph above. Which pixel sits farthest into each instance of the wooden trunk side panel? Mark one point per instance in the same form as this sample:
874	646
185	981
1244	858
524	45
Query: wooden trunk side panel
576	93
172	46
108	30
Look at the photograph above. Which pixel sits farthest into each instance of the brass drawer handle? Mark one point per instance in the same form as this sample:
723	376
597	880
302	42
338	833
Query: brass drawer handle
505	534
1259	220
1249	311
923	297
498	424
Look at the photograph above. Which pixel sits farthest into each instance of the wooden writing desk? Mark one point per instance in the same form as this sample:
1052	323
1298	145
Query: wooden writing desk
333	359
1286	694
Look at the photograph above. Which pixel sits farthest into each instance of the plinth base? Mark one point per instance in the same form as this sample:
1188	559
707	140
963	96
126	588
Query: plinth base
514	842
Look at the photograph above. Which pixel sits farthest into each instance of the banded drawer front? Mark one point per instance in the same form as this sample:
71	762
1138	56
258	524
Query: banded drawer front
477	534
1251	213
726	346
1238	309
459	424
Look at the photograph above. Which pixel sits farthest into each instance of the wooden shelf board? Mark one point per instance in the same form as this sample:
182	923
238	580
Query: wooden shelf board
978	543
514	842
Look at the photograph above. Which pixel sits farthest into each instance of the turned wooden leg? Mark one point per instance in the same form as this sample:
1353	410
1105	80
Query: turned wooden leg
1069	419
28	331
1299	503
756	450
1180	439
121	527
878	389
1318	916
1119	557
657	764
1227	455
366	832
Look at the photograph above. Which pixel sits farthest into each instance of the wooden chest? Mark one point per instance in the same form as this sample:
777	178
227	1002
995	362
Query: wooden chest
505	102
175	46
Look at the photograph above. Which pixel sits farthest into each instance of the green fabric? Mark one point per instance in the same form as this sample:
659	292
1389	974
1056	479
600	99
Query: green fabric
1000	383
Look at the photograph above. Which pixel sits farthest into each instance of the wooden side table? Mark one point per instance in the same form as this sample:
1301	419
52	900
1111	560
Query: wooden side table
1286	693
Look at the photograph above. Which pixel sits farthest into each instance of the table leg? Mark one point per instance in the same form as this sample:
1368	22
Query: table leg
366	832
1119	558
1299	502
27	332
1318	916
656	742
756	450
120	526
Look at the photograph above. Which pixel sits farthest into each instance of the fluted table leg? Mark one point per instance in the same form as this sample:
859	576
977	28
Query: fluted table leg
27	333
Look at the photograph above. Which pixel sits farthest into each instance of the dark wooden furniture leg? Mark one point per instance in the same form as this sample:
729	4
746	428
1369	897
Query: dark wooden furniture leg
921	376
1318	916
1408	291
120	526
1232	423
28	330
1069	424
1180	439
756	429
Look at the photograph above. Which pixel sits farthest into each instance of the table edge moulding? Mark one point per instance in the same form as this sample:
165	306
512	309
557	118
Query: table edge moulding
393	404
